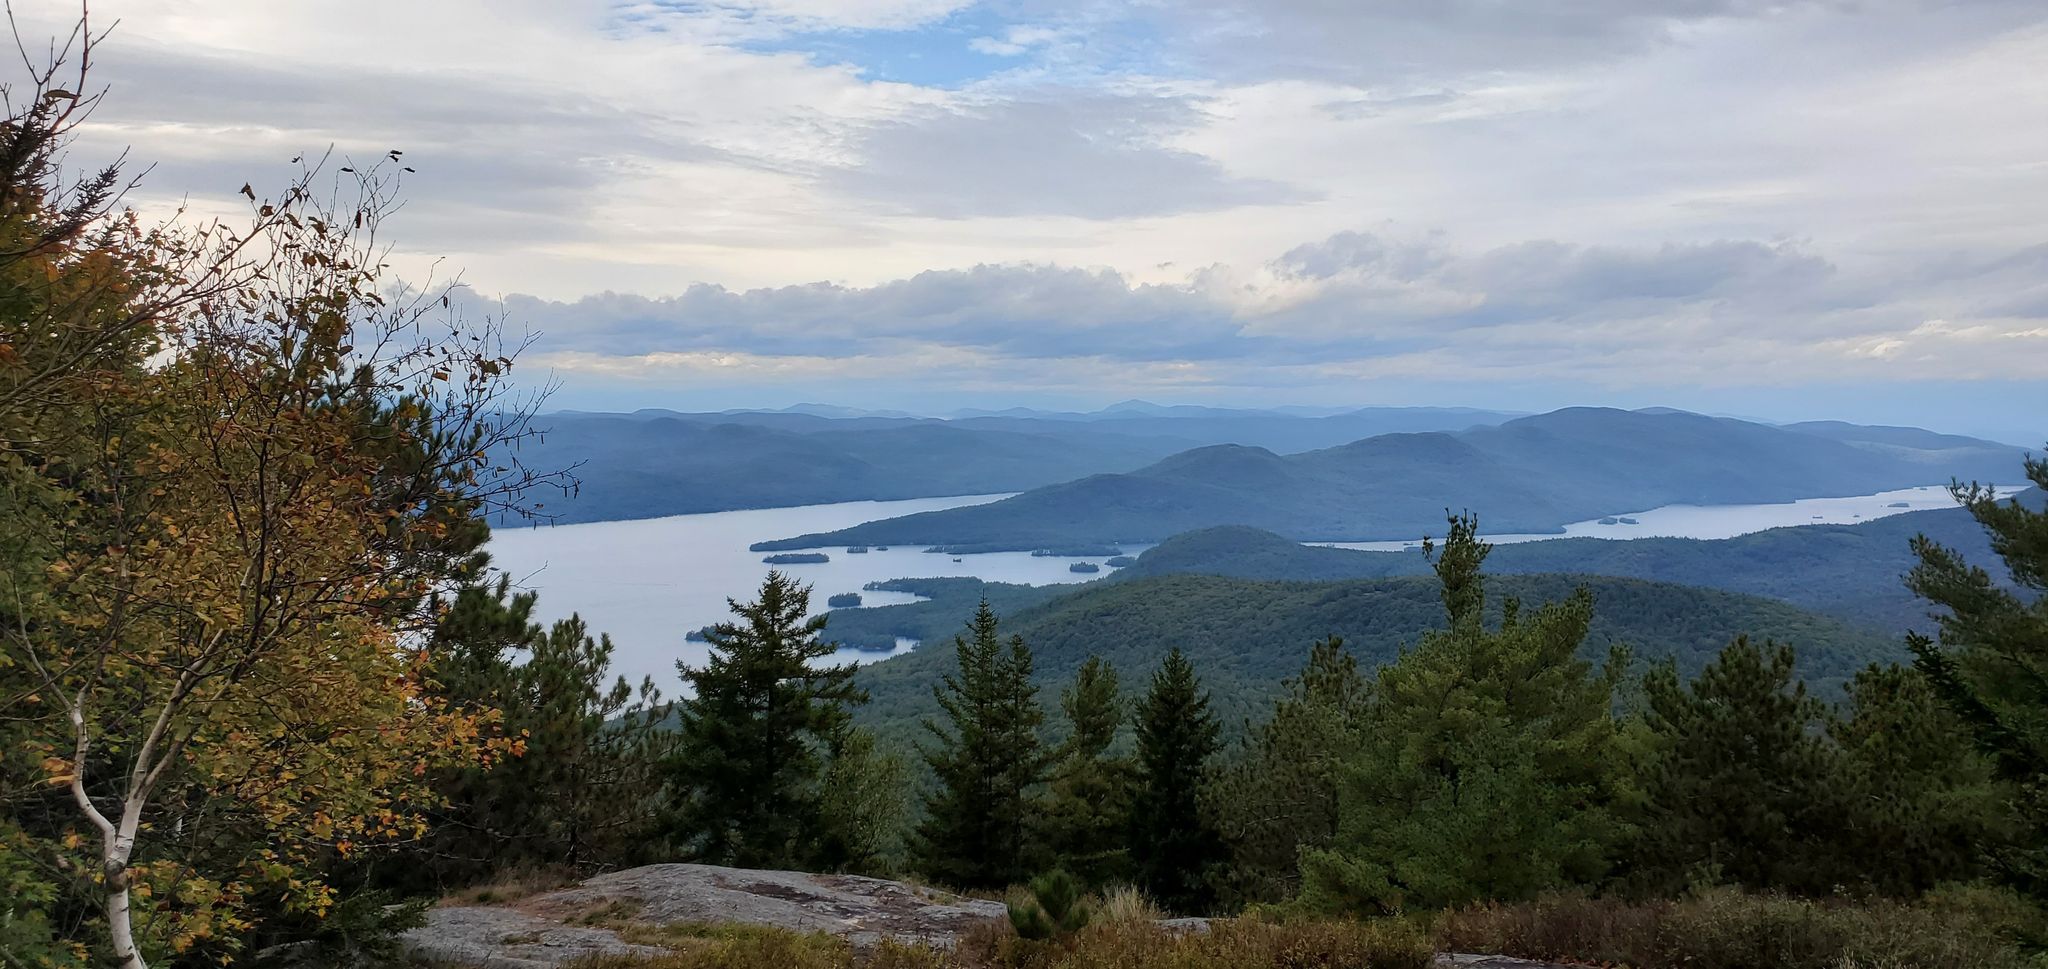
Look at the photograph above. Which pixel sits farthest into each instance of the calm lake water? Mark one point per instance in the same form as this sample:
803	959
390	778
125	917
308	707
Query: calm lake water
1728	521
648	582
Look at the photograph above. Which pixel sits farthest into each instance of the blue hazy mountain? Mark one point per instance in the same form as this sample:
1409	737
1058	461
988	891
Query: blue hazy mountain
662	462
1529	474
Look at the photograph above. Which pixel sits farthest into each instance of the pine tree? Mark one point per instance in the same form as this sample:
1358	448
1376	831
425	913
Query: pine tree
747	776
1280	795
1174	845
1741	786
866	797
1085	816
1484	766
579	787
592	750
1923	806
1989	663
988	759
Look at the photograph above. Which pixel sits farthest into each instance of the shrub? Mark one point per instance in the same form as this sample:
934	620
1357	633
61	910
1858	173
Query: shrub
1725	929
1053	907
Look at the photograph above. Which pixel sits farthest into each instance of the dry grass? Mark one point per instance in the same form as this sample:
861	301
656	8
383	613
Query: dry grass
1126	905
512	885
1731	930
612	914
1128	944
730	946
1131	943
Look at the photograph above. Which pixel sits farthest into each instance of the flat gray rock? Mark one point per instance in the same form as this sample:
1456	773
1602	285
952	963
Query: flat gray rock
550	929
504	938
1466	960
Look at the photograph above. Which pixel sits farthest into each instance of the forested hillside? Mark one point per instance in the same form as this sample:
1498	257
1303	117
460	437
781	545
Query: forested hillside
1246	635
1531	474
1852	572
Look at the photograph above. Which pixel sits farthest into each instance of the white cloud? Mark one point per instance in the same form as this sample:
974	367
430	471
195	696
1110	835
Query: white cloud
1614	191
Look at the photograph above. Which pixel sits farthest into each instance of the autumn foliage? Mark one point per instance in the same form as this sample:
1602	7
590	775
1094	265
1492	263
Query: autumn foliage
238	462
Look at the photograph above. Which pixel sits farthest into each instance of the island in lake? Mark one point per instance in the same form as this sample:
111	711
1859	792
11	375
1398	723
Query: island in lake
797	558
1084	567
844	600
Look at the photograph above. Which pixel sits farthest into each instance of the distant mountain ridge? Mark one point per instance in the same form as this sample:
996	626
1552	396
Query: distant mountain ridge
1529	474
657	462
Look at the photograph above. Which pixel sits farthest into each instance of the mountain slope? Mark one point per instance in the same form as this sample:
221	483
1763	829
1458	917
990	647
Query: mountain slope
658	462
1245	636
1531	474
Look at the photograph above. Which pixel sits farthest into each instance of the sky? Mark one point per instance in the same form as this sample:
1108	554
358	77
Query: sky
1794	209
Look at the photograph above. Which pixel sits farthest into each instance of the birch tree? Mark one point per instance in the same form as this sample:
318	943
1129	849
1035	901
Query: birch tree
238	462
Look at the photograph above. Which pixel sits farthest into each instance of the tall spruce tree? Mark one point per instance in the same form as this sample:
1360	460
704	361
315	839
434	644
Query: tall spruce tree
1484	769
1741	784
989	761
1085	815
1174	844
1280	794
747	777
1989	662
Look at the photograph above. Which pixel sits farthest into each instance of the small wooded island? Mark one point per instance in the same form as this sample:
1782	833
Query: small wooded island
844	600
1084	567
797	558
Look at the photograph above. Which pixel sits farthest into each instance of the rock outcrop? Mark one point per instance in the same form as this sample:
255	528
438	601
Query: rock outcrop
608	913
598	916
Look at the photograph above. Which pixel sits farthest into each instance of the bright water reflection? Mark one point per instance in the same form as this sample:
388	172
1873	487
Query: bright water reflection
1727	521
647	583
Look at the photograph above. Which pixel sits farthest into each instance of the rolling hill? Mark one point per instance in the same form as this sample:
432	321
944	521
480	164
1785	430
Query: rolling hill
1852	572
1530	474
1245	636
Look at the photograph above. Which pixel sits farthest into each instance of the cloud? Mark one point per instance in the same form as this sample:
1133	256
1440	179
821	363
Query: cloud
1075	154
1355	305
736	20
1018	39
1293	196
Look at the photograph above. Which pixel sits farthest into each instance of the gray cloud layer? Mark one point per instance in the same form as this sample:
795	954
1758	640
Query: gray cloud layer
1061	153
1368	303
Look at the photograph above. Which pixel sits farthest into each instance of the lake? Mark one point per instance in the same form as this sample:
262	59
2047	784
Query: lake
649	582
1728	521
